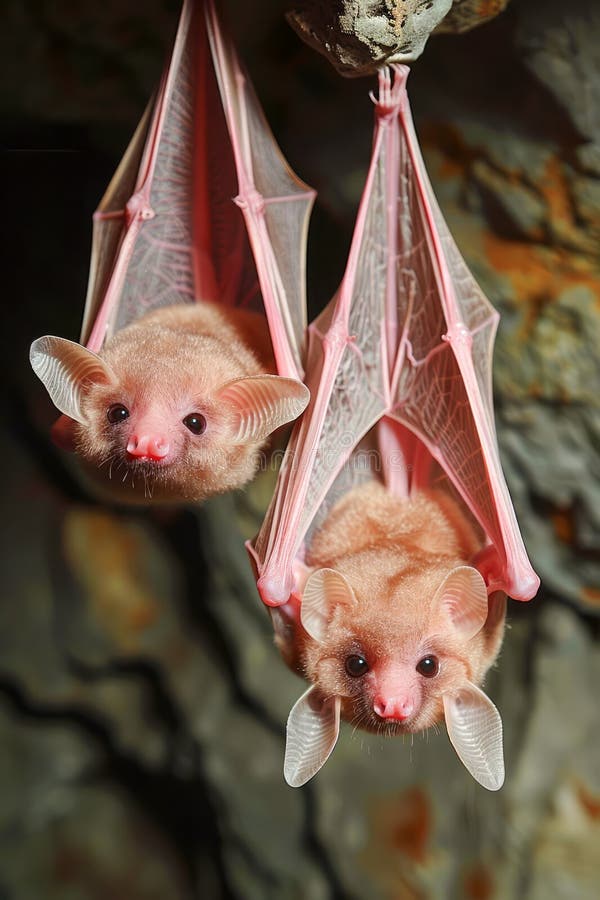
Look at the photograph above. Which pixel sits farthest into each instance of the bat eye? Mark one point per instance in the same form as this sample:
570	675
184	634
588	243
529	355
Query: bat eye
356	666
117	413
195	423
428	666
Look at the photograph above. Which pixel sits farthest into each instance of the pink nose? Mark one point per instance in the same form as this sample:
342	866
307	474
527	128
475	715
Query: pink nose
148	446
393	708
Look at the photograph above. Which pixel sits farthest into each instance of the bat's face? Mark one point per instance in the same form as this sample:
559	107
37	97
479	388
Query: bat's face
162	439
162	415
391	658
390	679
393	662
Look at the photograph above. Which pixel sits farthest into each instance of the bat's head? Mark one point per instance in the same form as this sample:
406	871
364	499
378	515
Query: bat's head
153	426
401	662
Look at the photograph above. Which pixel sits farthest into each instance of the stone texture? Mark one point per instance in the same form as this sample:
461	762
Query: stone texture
467	14
358	36
561	49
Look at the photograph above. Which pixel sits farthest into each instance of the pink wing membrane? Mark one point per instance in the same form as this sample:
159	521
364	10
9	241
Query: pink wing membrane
444	387
276	205
155	263
160	263
169	211
108	228
348	377
406	341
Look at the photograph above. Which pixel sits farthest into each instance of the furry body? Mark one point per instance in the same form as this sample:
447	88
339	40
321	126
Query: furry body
394	554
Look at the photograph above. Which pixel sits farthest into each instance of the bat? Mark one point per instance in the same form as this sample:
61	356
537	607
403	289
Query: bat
391	542
177	407
394	624
176	384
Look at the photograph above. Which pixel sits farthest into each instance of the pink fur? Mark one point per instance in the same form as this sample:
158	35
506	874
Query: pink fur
169	364
394	553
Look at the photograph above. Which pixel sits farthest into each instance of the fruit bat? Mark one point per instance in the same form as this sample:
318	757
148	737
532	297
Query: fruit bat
175	385
391	542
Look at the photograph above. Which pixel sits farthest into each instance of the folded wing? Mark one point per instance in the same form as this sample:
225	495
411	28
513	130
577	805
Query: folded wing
167	229
406	346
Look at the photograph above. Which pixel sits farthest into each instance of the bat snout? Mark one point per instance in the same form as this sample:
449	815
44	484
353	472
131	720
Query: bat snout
396	708
148	446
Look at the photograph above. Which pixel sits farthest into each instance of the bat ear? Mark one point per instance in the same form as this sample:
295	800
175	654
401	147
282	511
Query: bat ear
463	597
324	591
262	403
66	370
312	730
475	731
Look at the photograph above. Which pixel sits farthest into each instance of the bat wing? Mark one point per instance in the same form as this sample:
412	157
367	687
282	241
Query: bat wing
441	383
167	230
108	225
348	373
404	346
275	203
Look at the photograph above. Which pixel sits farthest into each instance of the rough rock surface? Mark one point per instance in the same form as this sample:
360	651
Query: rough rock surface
359	36
142	705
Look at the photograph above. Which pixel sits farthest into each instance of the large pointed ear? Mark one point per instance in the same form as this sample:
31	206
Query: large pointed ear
67	369
475	731
324	591
462	596
312	730
260	404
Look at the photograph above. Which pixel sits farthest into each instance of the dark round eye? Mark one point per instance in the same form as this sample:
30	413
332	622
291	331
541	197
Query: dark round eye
117	413
428	666
356	666
196	423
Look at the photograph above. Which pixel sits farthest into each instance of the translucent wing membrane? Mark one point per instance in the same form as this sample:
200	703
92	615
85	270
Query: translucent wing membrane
405	346
442	380
276	205
168	231
108	228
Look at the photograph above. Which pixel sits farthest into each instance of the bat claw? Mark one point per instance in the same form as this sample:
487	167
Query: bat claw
391	94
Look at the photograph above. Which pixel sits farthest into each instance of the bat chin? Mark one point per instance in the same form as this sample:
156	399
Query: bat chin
387	727
148	464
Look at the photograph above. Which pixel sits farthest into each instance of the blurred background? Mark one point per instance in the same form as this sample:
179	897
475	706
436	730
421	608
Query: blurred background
142	705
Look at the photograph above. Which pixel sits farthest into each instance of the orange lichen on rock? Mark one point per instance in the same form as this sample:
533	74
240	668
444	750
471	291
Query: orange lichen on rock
539	275
445	138
554	187
479	883
404	823
590	596
399	843
563	524
533	273
589	801
486	9
107	557
411	829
